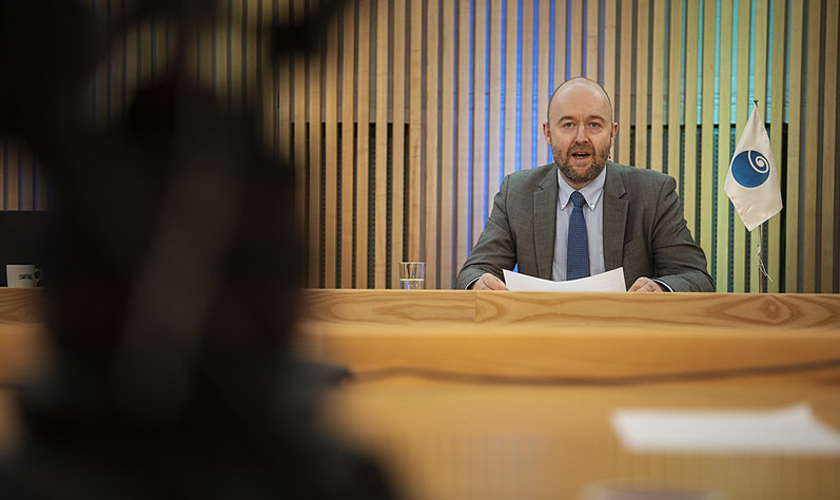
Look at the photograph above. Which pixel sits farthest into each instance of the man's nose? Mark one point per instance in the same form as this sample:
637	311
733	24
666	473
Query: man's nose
580	136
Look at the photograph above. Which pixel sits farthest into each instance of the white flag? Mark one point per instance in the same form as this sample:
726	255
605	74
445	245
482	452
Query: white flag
752	183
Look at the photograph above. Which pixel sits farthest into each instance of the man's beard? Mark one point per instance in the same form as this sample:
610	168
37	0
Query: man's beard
599	162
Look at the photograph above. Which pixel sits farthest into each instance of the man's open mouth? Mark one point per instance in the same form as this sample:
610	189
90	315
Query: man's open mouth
581	155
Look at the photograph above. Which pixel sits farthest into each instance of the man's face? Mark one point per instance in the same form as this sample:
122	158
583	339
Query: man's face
580	132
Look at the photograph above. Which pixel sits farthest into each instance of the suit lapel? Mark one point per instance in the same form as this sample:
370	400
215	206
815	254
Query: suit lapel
545	222
615	217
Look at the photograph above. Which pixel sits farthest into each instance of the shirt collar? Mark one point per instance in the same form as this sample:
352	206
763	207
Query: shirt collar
592	191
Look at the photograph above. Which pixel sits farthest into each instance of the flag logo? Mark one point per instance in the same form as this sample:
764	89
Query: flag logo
752	183
751	169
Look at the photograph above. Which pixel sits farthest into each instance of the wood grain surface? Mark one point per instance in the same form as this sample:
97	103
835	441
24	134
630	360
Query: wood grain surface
447	441
619	310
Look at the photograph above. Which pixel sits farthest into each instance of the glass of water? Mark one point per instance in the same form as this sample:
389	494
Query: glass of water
412	275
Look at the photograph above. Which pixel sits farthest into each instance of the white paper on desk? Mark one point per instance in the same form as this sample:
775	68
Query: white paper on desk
790	430
610	281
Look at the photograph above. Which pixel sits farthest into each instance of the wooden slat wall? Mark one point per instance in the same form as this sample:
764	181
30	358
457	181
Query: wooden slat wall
403	123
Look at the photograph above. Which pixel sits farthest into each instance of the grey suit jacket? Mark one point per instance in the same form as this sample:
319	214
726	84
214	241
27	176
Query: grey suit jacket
644	229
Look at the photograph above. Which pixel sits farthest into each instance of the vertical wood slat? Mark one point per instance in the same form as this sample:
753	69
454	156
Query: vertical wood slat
527	82
791	212
576	40
463	199
363	143
270	78
760	94
315	181
592	39
829	266
777	72
432	144
657	92
610	52
512	15
812	128
380	193
300	162
689	193
707	131
642	61
480	176
560	62
674	93
251	70
331	154
416	120
496	128
449	211
400	32
742	96
723	251
282	86
348	143
543	87
621	150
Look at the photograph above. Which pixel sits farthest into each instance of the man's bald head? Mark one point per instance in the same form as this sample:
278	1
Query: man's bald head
575	82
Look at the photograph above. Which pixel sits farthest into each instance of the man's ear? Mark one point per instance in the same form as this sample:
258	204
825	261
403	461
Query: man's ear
546	134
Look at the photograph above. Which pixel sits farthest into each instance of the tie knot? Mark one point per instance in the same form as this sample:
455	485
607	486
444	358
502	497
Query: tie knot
577	199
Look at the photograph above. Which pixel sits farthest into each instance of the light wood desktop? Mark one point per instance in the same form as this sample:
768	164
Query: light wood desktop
497	395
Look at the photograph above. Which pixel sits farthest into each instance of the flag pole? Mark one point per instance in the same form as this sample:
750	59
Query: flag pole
760	264
761	269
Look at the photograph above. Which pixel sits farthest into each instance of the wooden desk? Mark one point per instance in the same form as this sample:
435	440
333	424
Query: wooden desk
498	395
23	340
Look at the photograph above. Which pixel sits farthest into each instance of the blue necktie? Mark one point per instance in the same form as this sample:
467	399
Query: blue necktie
577	253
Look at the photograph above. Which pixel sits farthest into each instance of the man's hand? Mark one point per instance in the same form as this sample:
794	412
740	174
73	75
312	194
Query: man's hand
644	284
488	281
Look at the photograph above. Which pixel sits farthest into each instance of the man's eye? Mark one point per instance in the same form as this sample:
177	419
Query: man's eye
595	125
568	125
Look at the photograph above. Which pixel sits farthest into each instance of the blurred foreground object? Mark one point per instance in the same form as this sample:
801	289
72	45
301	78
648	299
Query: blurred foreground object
173	297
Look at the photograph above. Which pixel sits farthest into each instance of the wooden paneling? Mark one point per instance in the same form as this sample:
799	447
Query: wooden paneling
810	167
829	264
410	112
724	251
741	249
380	186
348	144
398	182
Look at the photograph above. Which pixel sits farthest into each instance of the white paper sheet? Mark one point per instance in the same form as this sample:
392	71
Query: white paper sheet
790	430
610	281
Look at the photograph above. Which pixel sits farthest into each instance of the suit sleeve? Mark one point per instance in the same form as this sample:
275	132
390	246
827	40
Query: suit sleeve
496	248
678	259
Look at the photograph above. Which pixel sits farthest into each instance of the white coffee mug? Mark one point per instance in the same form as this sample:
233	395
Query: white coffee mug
22	275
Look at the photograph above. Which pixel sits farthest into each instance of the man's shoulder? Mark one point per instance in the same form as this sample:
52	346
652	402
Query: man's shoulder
531	175
637	175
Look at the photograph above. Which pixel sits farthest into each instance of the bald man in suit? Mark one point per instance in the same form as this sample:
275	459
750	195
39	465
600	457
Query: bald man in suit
633	217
